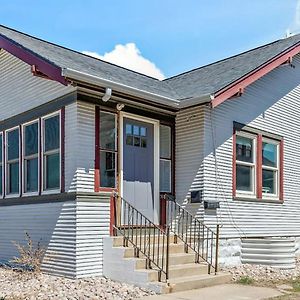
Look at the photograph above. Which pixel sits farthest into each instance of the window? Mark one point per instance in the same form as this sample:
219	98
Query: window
13	164
245	163
108	149
165	165
136	136
258	165
51	152
270	167
31	157
1	164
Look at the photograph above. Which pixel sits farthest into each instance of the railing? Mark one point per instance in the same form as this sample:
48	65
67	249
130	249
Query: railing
193	232
148	239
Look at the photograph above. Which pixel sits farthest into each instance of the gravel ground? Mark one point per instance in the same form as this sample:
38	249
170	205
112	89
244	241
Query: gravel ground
18	285
263	274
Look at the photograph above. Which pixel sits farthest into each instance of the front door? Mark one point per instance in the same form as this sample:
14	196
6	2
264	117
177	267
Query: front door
138	165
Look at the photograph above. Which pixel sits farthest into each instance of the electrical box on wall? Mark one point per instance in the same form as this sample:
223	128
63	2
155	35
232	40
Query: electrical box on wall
211	204
196	196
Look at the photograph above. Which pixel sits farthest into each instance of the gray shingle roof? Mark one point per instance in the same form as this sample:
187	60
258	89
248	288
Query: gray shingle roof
216	76
195	83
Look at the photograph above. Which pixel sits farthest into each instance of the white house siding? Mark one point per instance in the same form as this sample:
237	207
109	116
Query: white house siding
20	90
80	147
189	154
270	104
51	224
92	224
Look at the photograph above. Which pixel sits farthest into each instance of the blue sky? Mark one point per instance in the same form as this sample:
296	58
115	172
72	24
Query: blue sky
174	35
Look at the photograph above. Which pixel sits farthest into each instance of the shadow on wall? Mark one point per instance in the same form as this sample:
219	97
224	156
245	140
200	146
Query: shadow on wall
51	224
257	103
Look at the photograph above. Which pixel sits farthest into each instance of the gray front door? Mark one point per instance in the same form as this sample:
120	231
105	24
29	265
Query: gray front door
138	166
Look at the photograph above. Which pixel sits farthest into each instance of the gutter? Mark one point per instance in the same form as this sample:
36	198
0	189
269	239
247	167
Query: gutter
95	80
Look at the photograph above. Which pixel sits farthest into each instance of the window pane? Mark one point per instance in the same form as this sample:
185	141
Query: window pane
136	130
13	144
51	132
1	148
31	173
128	129
165	175
107	131
1	183
129	140
165	141
269	154
269	181
107	169
51	172
143	131
244	149
137	141
144	142
244	178
31	139
13	186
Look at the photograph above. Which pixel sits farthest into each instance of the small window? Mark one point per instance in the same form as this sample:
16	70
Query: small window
270	168
31	157
136	136
245	164
165	170
13	163
51	152
108	148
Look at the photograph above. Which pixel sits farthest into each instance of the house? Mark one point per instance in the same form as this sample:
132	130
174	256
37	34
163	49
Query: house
223	139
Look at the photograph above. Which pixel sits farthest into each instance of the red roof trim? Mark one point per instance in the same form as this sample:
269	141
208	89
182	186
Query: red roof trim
47	68
240	84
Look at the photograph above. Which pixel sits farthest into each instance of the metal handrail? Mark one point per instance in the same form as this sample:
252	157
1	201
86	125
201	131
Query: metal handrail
193	232
146	237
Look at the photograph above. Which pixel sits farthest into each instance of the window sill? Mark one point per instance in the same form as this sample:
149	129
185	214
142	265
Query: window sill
253	199
49	192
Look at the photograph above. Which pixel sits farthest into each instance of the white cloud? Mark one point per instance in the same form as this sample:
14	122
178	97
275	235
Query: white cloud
295	26
130	57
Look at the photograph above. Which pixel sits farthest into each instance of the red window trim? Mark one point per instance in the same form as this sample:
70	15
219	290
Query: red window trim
234	163
97	187
259	140
62	149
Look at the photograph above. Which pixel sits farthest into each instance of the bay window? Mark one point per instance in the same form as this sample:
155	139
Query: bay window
257	165
107	149
51	152
13	161
31	157
165	162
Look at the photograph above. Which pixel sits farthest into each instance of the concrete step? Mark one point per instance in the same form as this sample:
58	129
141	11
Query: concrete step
198	281
191	269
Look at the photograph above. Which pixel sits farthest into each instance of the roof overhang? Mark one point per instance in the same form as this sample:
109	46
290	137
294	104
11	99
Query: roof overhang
98	81
45	67
238	86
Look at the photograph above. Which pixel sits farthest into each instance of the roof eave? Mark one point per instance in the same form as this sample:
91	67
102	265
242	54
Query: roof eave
239	85
184	103
98	81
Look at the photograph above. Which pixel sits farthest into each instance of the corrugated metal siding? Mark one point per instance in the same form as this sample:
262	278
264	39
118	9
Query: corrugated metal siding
80	147
92	224
271	104
20	90
53	224
189	156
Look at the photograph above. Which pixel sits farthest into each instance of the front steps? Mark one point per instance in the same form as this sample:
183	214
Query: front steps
120	264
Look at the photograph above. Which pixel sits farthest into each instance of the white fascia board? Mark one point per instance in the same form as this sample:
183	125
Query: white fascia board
98	81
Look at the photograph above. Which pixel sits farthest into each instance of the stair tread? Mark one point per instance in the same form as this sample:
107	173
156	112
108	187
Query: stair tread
198	277
189	265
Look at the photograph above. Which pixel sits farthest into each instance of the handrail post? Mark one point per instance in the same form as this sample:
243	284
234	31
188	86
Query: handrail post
217	248
112	223
167	250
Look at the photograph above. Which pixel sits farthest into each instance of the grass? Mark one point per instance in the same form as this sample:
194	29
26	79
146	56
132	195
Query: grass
246	280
